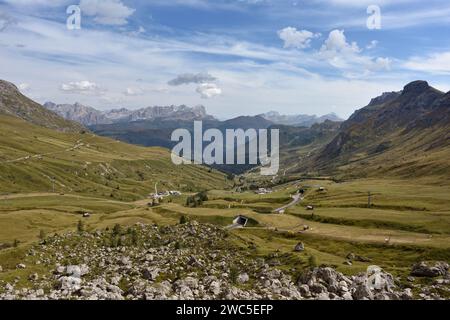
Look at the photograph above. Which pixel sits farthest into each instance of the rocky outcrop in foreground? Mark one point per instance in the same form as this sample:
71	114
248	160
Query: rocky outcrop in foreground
189	261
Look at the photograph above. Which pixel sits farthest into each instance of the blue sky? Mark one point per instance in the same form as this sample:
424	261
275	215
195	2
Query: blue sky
233	56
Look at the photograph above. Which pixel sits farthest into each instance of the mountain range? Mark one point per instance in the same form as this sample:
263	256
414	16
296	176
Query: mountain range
404	134
153	126
89	116
300	120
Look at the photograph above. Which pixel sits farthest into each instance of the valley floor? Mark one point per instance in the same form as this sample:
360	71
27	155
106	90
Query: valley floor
406	223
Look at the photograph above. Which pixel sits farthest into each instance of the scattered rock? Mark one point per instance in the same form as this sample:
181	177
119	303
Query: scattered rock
407	295
304	290
70	284
362	292
33	277
215	288
347	296
60	269
77	271
125	261
243	278
422	269
362	259
197	268
351	256
299	247
323	296
151	273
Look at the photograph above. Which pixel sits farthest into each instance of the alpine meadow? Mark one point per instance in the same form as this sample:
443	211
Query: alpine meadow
224	150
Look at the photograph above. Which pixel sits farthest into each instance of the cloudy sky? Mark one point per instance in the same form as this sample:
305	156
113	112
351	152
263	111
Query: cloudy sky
233	56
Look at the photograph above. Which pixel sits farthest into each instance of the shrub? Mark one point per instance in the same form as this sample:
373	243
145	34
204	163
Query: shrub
183	219
134	237
312	261
80	226
117	230
42	235
234	274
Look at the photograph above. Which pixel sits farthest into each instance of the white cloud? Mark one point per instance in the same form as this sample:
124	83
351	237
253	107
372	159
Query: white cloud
206	88
337	43
294	38
189	78
372	45
365	3
382	64
81	87
133	92
28	3
107	12
435	63
24	87
209	90
349	57
155	60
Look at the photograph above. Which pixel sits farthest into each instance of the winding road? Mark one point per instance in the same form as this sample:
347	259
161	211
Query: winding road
295	199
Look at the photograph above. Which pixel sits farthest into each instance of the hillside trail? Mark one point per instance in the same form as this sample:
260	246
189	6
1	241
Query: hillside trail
26	195
78	145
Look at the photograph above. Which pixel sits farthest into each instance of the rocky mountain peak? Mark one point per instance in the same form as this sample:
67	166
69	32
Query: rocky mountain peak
416	87
14	103
89	116
298	120
385	97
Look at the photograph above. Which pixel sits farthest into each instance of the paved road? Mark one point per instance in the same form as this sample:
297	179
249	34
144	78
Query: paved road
234	226
296	199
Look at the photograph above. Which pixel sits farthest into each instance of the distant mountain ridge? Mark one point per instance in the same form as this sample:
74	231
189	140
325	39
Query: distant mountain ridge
157	132
89	116
300	120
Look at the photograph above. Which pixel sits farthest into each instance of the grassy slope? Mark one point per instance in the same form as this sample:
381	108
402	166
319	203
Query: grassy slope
417	222
411	156
89	165
13	103
398	203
